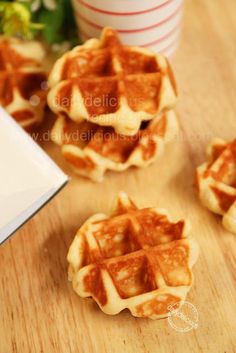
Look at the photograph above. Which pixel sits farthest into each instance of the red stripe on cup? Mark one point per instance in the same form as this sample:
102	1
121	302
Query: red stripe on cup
161	39
157	41
168	50
169	46
166	20
113	13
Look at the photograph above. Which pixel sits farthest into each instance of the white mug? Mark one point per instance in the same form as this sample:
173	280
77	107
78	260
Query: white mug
153	24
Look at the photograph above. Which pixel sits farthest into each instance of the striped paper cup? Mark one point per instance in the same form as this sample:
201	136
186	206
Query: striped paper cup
154	24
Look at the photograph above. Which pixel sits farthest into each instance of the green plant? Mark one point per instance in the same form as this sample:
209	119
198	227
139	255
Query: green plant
16	19
51	19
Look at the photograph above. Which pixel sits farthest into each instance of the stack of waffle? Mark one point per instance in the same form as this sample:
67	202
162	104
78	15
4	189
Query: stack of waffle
112	104
23	80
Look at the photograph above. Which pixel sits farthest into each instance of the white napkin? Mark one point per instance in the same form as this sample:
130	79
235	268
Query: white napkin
28	177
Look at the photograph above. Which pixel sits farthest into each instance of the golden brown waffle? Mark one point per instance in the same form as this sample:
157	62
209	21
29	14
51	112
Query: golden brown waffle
91	149
136	259
22	80
110	84
217	181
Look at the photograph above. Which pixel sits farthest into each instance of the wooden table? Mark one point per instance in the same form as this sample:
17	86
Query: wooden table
40	313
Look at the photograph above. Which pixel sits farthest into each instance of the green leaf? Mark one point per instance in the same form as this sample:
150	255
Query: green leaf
56	26
53	23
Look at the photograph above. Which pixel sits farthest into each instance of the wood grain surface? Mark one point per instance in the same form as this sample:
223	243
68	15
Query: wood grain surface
40	313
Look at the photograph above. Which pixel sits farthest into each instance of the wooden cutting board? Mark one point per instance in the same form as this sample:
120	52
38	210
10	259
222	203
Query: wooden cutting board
39	312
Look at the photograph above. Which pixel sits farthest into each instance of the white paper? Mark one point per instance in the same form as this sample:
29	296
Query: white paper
28	177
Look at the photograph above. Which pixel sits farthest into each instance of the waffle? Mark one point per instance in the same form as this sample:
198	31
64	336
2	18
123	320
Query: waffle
21	80
109	84
135	259
216	180
91	149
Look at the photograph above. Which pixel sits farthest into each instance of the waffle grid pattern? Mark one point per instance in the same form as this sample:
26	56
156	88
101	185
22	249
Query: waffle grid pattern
21	77
102	149
109	84
216	180
136	259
